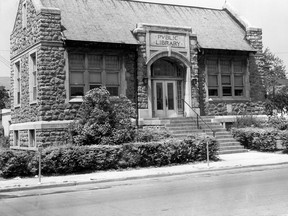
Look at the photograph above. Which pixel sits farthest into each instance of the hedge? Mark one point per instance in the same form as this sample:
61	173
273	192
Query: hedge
283	135
82	159
257	138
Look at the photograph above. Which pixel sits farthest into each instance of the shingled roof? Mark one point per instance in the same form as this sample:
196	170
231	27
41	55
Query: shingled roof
112	21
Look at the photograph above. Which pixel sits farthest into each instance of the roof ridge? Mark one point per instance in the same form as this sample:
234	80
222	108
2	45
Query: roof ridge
170	4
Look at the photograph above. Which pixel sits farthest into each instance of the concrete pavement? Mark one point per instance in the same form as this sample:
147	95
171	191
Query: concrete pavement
227	162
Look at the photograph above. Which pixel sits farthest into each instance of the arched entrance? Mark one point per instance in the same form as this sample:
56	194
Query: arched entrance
169	81
167	85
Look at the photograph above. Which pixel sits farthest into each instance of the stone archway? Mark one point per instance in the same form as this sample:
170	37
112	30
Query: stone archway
169	86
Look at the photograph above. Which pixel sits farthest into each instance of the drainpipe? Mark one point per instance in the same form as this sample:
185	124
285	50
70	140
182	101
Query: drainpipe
136	86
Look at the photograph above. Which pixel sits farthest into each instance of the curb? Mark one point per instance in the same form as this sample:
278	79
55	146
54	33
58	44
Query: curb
76	183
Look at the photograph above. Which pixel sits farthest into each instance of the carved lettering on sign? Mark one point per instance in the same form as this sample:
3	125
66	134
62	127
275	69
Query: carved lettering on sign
158	39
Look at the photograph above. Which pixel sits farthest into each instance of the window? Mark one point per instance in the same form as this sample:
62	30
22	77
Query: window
32	138
88	71
17	84
33	78
212	69
16	138
24	14
226	72
225	77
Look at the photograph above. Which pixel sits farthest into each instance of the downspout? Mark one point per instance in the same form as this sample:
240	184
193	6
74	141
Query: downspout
136	86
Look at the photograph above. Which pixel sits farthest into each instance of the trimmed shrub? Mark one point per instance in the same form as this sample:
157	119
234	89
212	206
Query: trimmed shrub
80	159
4	142
278	122
256	138
15	163
103	120
247	121
149	134
283	136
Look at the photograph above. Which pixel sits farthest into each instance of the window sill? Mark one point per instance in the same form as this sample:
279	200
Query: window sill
229	99
33	102
24	148
17	106
76	100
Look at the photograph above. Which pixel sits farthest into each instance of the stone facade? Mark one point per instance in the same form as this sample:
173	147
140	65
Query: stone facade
254	103
42	35
49	116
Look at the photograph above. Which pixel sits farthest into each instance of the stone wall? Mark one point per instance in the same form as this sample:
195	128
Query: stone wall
51	85
257	90
22	39
201	84
53	137
43	35
194	72
235	108
142	73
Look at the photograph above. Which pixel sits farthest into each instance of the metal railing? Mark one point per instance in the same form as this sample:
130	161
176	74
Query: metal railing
198	117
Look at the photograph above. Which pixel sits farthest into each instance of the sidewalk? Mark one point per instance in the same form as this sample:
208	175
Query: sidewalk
229	161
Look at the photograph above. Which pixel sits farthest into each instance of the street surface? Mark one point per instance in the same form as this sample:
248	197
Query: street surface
259	191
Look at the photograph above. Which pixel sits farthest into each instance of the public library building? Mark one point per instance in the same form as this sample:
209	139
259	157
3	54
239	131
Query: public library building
171	60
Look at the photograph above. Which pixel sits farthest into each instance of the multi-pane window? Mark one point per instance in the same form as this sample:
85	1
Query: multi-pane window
33	77
226	77
226	72
88	71
17	83
24	14
212	69
239	71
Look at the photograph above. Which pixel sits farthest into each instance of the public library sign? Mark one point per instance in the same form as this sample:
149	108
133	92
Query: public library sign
162	39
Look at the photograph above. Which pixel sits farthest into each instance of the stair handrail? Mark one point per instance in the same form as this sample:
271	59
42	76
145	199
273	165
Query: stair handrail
199	117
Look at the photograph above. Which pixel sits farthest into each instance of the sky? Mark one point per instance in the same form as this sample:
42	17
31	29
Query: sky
270	15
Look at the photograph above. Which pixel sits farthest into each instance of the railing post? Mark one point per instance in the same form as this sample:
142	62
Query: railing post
207	148
39	165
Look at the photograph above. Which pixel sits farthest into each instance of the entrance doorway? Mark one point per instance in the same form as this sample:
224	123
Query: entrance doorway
167	88
165	96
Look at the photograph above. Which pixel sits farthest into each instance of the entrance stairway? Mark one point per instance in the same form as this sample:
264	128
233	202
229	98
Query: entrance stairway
181	127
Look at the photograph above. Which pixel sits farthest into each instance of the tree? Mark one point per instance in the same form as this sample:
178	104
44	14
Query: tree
103	119
273	70
4	98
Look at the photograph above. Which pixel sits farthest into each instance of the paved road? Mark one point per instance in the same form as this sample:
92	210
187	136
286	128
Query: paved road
238	192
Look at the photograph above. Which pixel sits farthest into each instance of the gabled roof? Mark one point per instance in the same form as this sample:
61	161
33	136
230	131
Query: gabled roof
112	21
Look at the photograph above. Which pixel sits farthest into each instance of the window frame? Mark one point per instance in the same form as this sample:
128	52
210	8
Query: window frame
102	70
17	83
220	74
32	138
33	77
16	138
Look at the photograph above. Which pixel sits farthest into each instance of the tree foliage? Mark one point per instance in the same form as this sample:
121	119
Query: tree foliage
103	119
273	70
4	98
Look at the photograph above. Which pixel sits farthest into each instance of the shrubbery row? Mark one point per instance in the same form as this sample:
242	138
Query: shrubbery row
260	139
80	159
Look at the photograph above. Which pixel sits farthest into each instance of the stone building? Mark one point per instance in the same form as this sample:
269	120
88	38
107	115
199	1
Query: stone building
172	61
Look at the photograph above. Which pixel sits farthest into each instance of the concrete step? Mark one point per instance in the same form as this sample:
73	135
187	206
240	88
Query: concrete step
231	144
232	151
182	127
230	147
225	140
